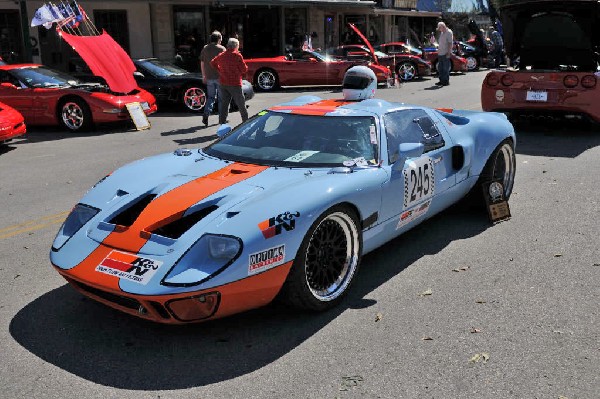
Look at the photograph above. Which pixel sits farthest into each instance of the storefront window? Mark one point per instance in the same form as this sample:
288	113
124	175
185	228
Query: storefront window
10	36
295	27
189	37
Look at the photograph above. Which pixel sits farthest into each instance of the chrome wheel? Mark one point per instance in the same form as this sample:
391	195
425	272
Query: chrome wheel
73	115
407	71
266	80
194	98
504	167
471	63
332	256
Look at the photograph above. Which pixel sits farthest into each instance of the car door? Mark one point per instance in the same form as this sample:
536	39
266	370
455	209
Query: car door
418	184
308	70
151	83
17	95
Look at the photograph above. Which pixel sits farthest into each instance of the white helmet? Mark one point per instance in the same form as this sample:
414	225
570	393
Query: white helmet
360	83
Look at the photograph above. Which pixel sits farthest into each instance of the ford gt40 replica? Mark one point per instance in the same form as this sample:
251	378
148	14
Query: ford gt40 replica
12	124
286	205
48	97
170	83
558	73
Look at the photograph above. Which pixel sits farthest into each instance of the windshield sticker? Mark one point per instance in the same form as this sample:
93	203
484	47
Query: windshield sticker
265	260
261	113
301	156
129	267
419	181
356	162
373	134
412	214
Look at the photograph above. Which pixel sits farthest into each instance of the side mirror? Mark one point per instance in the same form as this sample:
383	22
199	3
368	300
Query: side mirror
138	74
8	85
223	130
407	151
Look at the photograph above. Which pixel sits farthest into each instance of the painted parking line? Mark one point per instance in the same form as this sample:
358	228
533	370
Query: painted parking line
33	225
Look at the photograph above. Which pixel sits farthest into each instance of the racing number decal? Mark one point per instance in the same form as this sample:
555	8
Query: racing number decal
419	181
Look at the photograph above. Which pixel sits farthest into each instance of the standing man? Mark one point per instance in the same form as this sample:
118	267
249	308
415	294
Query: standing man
210	76
231	67
498	43
445	42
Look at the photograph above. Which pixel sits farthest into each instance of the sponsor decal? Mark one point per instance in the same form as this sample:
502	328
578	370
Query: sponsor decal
301	156
500	96
412	214
275	225
129	267
267	259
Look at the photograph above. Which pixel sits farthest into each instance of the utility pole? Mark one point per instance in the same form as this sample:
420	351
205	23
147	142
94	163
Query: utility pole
25	29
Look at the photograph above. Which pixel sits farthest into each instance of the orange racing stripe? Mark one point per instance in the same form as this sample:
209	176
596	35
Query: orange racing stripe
163	210
318	108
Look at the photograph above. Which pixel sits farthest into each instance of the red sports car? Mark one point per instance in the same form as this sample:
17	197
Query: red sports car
406	66
12	123
459	64
304	68
48	97
558	73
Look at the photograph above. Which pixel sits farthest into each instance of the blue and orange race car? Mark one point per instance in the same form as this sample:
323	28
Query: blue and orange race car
285	204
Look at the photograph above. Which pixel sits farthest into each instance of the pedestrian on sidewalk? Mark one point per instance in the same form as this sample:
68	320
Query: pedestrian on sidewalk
210	76
232	68
445	42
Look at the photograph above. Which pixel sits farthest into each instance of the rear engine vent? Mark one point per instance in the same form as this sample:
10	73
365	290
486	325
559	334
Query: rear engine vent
129	215
175	229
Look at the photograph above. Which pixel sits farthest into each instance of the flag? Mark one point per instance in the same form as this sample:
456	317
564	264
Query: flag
66	12
45	15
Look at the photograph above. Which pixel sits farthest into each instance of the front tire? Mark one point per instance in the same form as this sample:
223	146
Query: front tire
326	262
406	71
267	80
74	114
193	98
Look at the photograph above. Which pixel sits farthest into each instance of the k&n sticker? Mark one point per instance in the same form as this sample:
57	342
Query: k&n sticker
129	267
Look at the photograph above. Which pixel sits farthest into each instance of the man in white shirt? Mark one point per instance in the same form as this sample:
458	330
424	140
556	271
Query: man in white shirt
445	42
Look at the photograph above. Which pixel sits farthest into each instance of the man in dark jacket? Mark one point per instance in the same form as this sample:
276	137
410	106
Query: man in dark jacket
210	76
232	68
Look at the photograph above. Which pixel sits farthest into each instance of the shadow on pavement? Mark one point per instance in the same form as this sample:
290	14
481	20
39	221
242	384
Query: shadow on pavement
107	347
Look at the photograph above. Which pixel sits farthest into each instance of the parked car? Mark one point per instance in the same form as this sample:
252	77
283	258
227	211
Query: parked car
172	84
304	68
12	124
558	73
474	56
406	66
48	97
430	54
199	234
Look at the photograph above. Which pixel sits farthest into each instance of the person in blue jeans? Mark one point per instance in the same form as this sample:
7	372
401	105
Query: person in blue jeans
210	76
445	42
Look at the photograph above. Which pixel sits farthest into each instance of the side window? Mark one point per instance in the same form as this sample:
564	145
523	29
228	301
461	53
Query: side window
432	138
410	126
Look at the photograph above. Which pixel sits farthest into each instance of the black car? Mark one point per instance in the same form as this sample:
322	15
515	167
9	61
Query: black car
170	83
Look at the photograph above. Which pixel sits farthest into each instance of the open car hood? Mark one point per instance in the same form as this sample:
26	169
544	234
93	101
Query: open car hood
106	59
553	34
365	41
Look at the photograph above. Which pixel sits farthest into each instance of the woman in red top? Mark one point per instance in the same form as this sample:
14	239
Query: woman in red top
232	68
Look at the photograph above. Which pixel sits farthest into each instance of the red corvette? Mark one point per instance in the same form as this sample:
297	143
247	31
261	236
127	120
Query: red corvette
406	66
12	123
459	64
557	73
305	68
48	97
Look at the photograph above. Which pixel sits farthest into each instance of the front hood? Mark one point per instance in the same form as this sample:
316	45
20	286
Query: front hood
365	41
548	34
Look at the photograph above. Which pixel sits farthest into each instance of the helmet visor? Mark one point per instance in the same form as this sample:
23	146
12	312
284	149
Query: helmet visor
356	82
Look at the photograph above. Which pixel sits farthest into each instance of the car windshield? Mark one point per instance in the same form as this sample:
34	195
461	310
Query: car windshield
161	68
292	140
44	77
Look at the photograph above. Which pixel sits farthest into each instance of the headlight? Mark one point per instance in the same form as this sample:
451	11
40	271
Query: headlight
210	255
79	216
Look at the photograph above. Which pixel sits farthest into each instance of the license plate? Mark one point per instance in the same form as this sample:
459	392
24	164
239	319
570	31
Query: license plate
145	106
537	96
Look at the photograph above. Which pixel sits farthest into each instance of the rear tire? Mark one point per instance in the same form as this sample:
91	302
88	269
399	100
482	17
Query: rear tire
326	262
501	165
406	71
266	80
